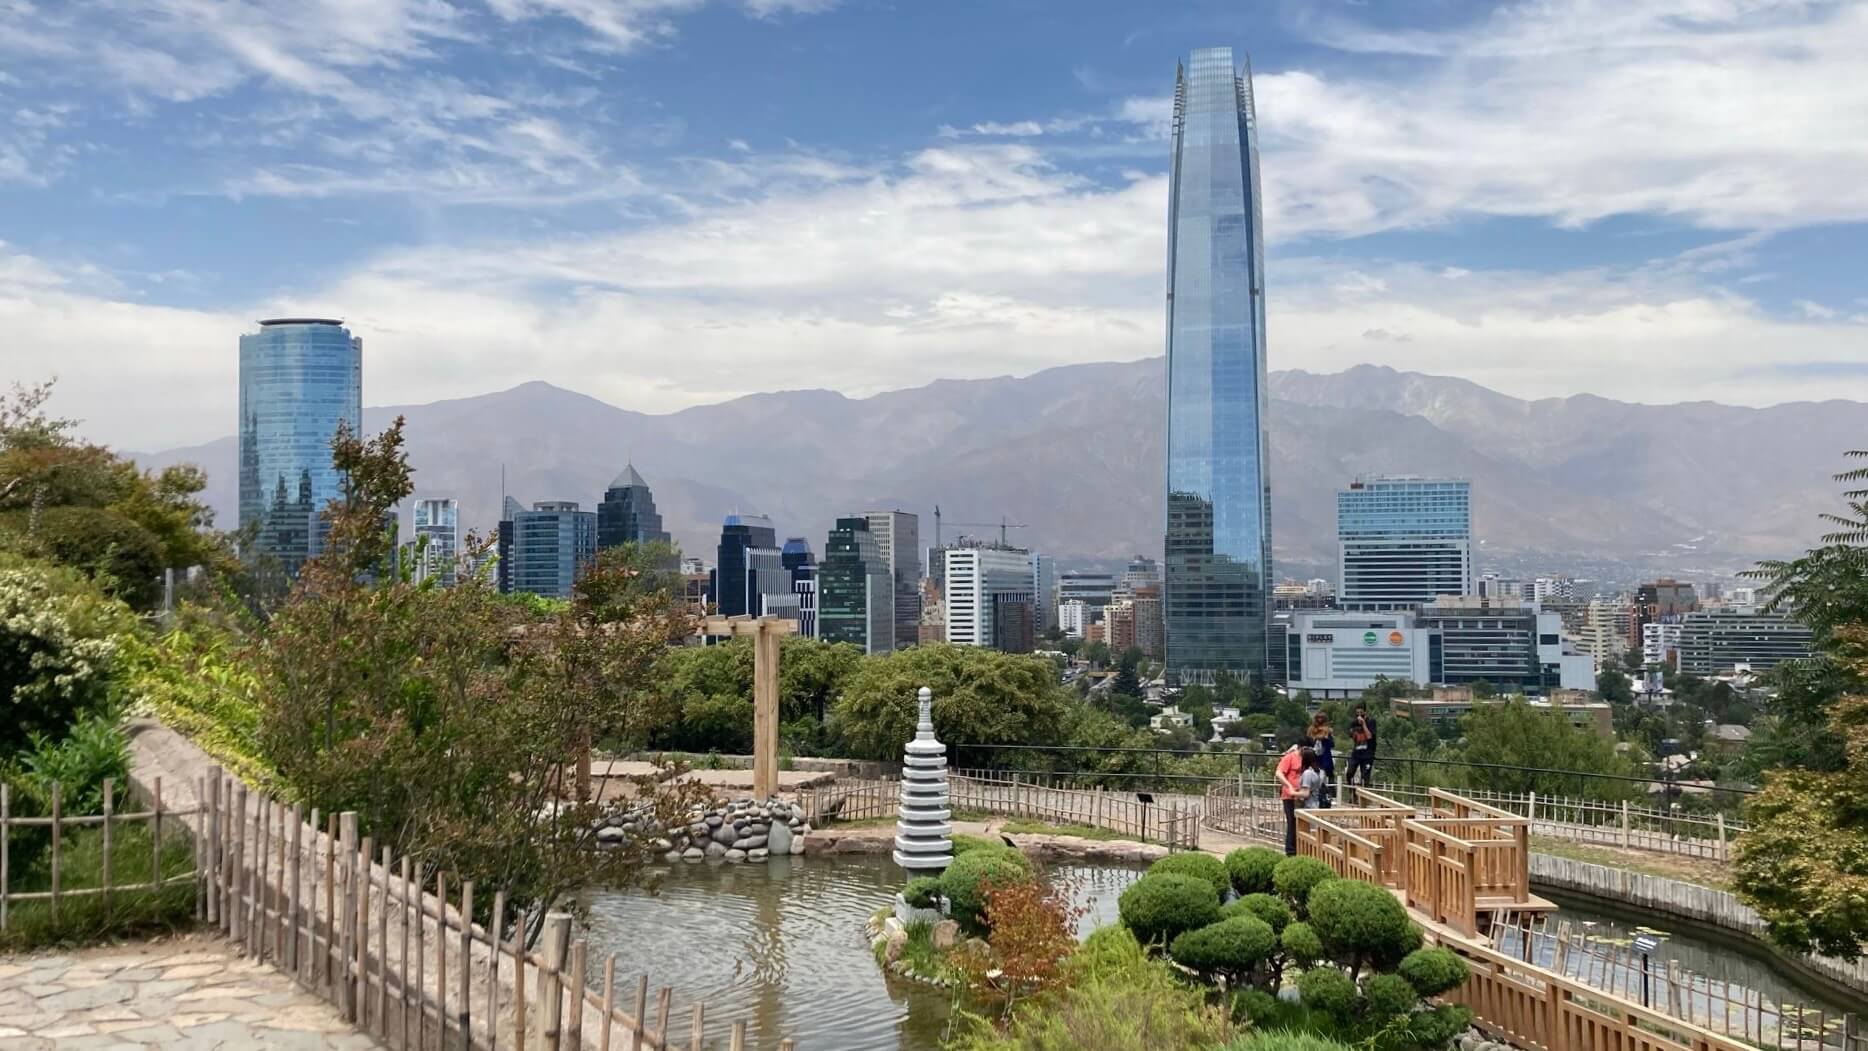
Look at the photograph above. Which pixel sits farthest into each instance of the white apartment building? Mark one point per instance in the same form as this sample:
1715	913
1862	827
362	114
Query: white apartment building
977	580
1659	642
1074	617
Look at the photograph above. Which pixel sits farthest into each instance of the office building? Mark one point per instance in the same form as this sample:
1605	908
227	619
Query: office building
1044	593
1713	642
1663	599
897	537
1509	643
1335	654
1605	629
438	536
981	582
627	514
933	626
797	558
300	380
546	549
1660	643
1217	573
1141	572
855	589
1546	589
749	577
1148	627
1292	595
1073	616
1092	589
1403	541
1012	618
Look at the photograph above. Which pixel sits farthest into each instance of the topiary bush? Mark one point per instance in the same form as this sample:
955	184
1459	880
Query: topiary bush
1194	863
1251	867
1231	948
1434	971
1295	878
1361	923
1328	991
1301	943
1106	951
1272	910
922	892
1388	996
1160	906
966	880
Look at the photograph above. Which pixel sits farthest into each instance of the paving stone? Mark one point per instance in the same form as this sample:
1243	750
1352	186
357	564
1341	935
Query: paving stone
7	1030
192	970
87	999
74	1029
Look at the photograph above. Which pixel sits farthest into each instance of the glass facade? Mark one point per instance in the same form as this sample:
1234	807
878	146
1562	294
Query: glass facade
750	578
1403	541
551	546
627	514
1218	543
855	589
437	530
299	379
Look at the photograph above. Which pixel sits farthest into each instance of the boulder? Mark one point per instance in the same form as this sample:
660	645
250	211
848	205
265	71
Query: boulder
672	856
716	849
713	821
724	835
946	934
693	854
797	845
779	839
736	855
750	842
758	854
611	837
896	936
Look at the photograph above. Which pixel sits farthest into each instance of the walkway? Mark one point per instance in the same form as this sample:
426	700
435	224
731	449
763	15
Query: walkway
187	994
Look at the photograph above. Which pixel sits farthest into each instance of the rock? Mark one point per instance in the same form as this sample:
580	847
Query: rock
725	835
803	830
779	839
692	854
663	844
758	854
797	845
672	856
736	855
945	934
699	829
751	842
716	849
896	936
713	821
610	837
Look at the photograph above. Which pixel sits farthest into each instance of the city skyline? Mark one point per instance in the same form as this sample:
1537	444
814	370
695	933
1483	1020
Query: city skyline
486	215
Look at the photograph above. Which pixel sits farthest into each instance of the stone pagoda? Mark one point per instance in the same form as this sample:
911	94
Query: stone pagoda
923	838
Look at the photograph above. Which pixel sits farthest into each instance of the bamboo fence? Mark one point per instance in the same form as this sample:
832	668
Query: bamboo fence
1174	821
111	821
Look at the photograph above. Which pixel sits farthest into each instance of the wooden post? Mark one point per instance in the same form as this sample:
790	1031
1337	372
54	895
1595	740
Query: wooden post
240	901
441	956
347	920
360	934
57	826
414	892
6	834
574	1026
402	911
198	845
263	819
557	943
642	1013
327	956
382	948
1723	856
697	1026
110	788
519	1037
661	1016
466	976
609	1002
212	824
294	885
739	1037
765	709
496	929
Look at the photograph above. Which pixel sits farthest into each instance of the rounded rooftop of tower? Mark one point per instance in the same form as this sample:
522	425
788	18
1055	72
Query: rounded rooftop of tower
268	322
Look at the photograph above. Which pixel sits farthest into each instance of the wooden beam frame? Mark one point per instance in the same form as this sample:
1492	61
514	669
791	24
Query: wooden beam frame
766	633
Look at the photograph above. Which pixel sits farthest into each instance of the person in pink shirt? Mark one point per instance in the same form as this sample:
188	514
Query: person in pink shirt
1290	769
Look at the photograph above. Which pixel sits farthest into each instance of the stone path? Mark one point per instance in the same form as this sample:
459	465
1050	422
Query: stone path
187	994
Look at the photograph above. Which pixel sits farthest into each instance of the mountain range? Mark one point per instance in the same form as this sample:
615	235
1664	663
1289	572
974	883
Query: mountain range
1075	454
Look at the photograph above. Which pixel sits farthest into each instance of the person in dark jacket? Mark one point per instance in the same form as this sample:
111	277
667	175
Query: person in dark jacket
1362	747
1323	739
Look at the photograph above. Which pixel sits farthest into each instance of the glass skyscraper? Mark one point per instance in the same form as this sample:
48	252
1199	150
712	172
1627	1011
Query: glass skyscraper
1218	544
1403	541
299	378
627	514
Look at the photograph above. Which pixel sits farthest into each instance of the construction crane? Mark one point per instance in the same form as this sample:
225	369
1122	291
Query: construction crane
1003	524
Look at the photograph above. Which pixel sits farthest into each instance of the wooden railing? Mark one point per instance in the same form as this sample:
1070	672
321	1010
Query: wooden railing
1364	844
159	821
1171	820
404	963
1625	825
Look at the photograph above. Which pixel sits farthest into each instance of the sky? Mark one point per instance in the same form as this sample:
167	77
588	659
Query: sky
664	203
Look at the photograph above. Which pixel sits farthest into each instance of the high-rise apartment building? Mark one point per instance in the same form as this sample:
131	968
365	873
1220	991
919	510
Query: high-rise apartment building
1147	608
1403	541
1712	642
545	550
627	514
300	379
1660	643
438	534
982	583
749	577
1660	600
856	589
1606	627
1073	616
1090	588
1044	593
1140	572
1218	537
898	540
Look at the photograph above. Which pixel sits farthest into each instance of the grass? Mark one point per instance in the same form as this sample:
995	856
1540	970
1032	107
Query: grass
1702	871
1023	827
87	919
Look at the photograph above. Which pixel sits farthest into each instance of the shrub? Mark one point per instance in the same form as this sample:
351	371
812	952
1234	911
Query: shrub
1140	1005
1388	996
1159	906
1033	931
1197	864
1361	923
1256	1006
1105	951
1295	878
1329	991
94	750
966	881
60	647
1433	971
1285	1040
1264	906
1251	867
1301	943
1230	947
963	843
922	892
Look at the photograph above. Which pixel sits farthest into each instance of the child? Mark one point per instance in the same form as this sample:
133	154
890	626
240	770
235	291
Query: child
1312	785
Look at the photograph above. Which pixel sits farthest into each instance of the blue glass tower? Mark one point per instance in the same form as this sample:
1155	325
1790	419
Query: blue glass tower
299	378
1218	544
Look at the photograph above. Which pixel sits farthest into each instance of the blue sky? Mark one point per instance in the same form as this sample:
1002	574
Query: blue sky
667	202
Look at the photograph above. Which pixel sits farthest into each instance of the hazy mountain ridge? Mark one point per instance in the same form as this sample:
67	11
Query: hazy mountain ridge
1076	452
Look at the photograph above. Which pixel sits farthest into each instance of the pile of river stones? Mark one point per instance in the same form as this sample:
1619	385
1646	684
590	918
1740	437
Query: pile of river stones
741	830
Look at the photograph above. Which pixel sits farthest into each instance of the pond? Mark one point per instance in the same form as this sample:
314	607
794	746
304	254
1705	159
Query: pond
781	946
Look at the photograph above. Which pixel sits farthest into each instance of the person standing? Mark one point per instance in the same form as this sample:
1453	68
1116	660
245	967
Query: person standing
1362	748
1323	739
1290	787
1313	784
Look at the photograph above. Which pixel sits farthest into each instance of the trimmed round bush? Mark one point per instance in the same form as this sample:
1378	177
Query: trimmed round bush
1264	906
966	880
1229	947
1161	905
1108	950
1327	991
1301	943
1194	863
922	892
1250	869
1256	1005
1295	878
1388	996
1359	920
1433	971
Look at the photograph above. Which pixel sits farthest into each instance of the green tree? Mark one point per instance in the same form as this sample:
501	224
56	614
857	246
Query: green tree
1515	741
1613	686
981	696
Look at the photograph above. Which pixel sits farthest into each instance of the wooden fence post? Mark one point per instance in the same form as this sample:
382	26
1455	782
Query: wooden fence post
210	830
6	807
242	886
263	844
555	944
1720	817
1624	824
466	975
642	1013
609	1002
495	929
346	920
574	1026
110	791
56	827
293	888
360	934
441	957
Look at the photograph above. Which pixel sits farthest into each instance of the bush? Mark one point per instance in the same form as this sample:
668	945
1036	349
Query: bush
94	750
1301	943
922	892
60	649
1264	906
1256	1006
1251	867
1197	864
1285	1040
1160	906
1361	923
131	912
1295	878
1230	947
1388	996
963	843
1105	951
966	881
1329	991
1434	971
